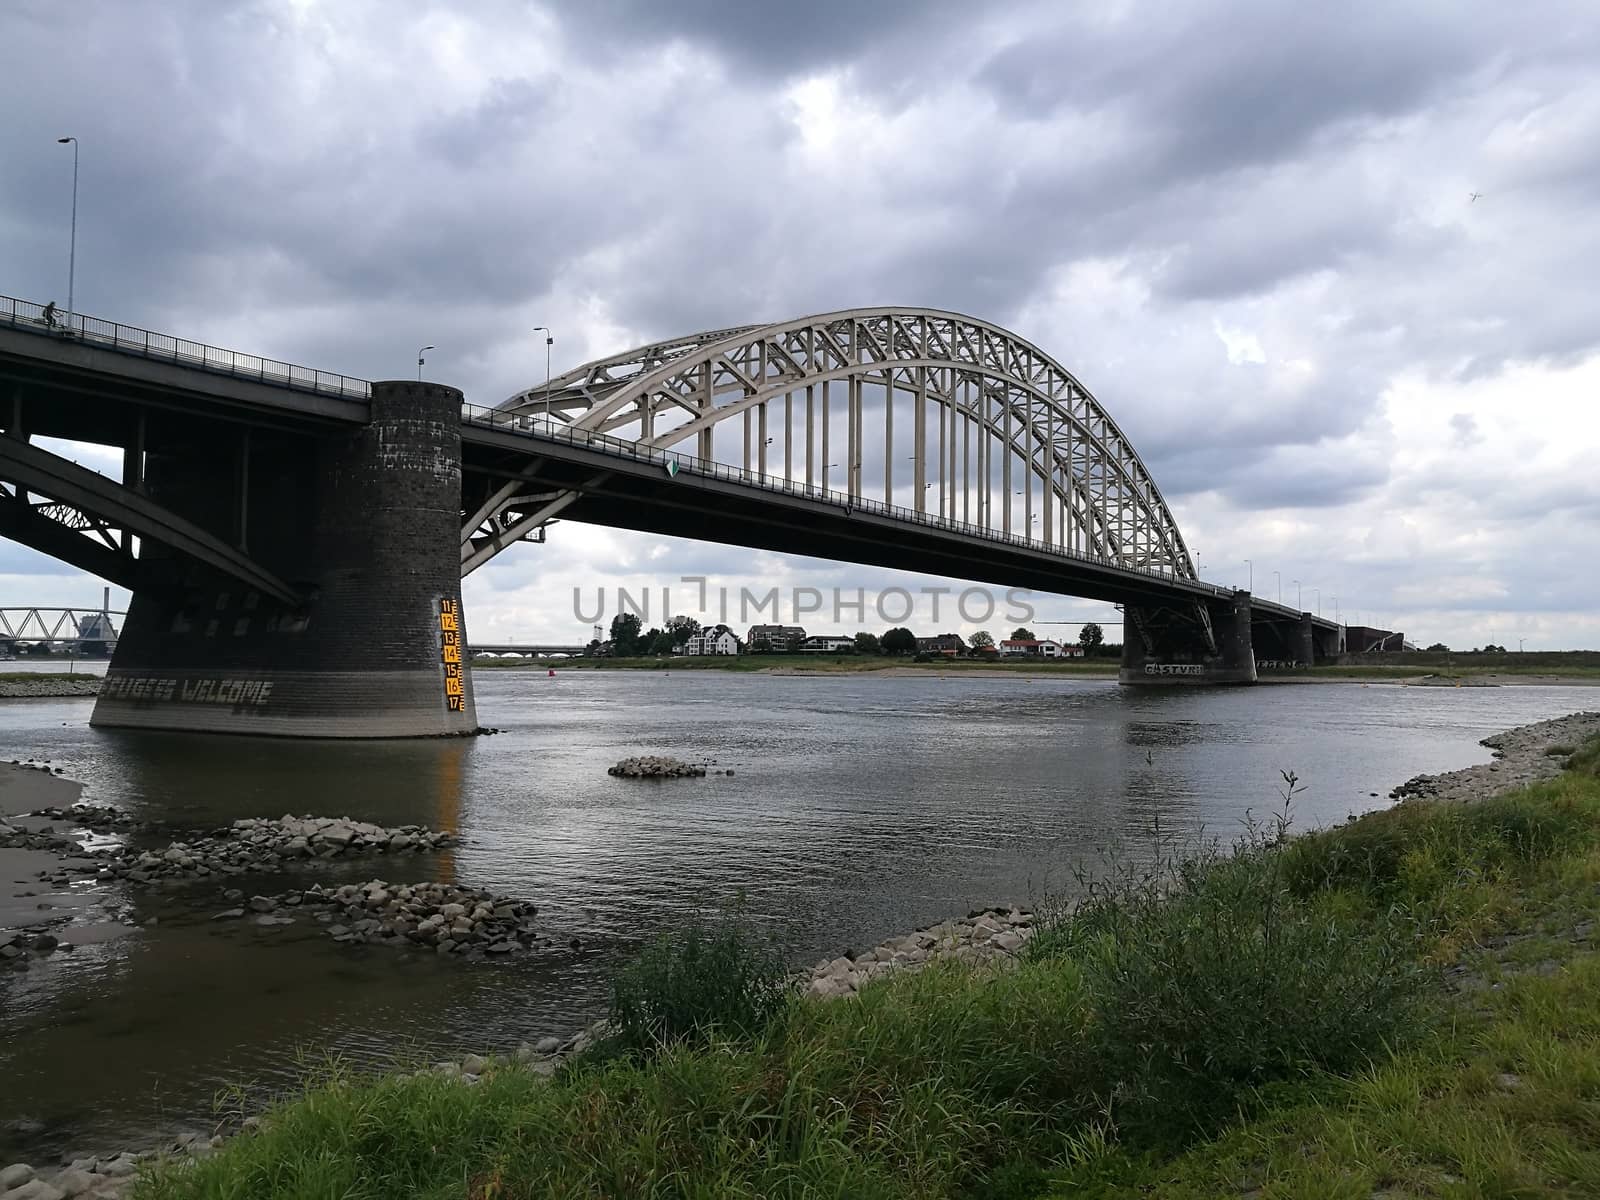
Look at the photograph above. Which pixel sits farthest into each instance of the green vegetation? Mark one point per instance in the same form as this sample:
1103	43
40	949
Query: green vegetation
1409	1002
708	978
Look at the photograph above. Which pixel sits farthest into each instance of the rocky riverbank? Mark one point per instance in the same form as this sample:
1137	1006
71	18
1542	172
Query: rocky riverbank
984	936
1525	755
49	687
107	1177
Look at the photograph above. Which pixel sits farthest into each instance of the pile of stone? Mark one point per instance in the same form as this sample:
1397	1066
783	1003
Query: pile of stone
655	766
16	945
443	917
108	1177
984	936
101	818
1526	755
258	843
14	837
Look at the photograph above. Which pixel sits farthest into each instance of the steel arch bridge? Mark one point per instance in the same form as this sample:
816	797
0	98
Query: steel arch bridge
997	430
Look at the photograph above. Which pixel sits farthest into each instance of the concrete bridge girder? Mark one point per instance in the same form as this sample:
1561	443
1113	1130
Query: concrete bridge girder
90	521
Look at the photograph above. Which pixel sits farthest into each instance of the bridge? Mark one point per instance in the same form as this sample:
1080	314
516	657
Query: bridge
295	539
525	650
74	628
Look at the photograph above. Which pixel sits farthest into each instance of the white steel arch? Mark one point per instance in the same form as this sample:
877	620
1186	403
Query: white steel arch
982	411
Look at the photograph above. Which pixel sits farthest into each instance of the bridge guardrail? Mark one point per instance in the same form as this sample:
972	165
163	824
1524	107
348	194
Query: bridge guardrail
129	339
541	427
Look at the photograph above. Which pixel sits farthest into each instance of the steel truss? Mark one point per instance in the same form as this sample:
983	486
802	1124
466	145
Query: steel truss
998	431
57	624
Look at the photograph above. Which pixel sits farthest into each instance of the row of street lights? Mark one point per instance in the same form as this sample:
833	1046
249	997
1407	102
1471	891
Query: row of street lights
549	341
1299	594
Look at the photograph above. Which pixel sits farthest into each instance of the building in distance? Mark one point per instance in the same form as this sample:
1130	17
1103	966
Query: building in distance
774	639
1038	648
720	640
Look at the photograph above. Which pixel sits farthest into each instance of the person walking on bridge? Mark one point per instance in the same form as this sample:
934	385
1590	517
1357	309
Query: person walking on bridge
50	315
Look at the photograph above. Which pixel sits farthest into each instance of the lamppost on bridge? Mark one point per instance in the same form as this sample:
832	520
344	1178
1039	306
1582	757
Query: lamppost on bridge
549	340
1297	606
1335	600
421	350
72	249
1278	579
1252	583
1318	591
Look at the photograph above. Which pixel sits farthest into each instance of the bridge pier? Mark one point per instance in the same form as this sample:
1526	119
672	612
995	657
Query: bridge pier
366	526
1209	643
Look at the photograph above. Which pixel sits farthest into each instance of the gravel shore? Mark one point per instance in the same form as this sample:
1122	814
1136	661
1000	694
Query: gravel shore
49	688
1527	754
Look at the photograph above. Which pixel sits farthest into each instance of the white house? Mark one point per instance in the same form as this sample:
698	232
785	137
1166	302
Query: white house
713	641
1042	648
823	644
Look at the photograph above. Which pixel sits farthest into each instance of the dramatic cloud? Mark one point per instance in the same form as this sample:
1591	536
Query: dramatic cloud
1247	227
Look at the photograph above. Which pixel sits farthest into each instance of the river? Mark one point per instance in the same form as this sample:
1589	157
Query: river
858	807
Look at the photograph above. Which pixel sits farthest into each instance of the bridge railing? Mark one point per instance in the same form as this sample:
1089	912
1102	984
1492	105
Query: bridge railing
540	427
30	317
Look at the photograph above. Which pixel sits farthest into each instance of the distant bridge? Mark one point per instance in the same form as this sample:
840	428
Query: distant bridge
302	534
58	626
526	650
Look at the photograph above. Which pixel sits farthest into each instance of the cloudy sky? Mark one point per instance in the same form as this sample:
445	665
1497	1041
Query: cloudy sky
1247	227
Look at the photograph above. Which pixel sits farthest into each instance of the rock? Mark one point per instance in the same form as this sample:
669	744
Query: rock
228	914
547	1045
124	1165
45	942
35	1189
474	1064
262	904
15	1176
74	1181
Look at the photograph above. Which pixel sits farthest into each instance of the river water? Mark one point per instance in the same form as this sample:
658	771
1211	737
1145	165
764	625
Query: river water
859	807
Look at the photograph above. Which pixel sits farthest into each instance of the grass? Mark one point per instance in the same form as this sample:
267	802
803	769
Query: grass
1274	1021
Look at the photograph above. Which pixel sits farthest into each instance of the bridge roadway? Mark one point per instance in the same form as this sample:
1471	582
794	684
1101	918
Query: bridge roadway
109	389
233	463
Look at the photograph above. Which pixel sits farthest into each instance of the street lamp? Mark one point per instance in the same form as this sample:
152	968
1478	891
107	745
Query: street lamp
1335	600
72	252
1318	591
1297	607
421	350
1252	567
1279	580
549	340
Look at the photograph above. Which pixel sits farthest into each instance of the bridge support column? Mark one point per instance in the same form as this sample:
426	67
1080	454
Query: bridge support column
1212	644
1306	641
368	526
